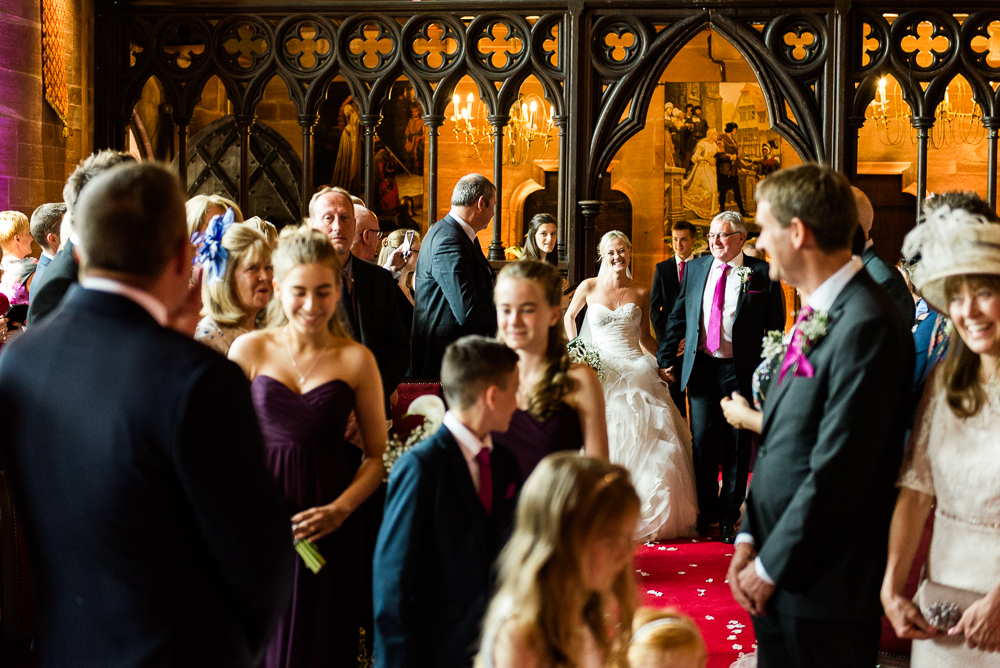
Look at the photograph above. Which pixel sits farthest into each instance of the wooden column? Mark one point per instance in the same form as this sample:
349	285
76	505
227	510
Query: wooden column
182	123
499	122
433	122
369	122
589	209
992	124
308	124
562	230
923	124
243	123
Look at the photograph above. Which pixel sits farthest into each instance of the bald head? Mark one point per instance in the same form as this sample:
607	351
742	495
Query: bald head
331	211
866	214
366	238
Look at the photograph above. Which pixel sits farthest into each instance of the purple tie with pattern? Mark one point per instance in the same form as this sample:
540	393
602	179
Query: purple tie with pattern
485	479
713	340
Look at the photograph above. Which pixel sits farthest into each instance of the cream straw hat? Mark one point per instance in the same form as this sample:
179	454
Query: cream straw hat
950	242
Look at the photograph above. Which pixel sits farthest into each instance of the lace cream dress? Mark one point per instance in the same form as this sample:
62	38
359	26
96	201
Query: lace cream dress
217	336
958	461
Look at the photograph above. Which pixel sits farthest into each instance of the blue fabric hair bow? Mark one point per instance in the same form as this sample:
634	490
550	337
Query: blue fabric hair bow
211	255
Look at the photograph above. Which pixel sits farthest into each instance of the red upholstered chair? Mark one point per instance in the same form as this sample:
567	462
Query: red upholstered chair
408	391
893	652
17	597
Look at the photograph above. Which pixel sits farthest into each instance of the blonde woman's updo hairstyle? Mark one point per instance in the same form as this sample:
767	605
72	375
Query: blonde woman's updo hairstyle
219	299
196	208
298	246
660	636
555	383
567	502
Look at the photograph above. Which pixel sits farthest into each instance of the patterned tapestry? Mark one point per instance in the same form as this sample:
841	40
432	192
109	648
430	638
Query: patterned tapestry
54	59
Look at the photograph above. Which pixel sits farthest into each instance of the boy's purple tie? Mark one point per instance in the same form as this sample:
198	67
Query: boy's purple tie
485	479
714	338
794	354
680	271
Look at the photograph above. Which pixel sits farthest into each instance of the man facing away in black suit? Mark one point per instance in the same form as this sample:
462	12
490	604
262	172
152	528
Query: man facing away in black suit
448	513
726	304
48	290
666	286
156	534
453	279
368	294
811	554
884	274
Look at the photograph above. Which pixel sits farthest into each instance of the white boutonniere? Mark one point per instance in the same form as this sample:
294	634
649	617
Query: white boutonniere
775	344
813	329
744	273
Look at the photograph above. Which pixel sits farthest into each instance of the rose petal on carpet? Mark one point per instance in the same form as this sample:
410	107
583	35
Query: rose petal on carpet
689	574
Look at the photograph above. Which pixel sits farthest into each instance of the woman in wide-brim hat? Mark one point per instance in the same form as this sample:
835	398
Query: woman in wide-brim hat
953	458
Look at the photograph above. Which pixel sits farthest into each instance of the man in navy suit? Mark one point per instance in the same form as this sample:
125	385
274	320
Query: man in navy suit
453	279
64	270
156	533
45	222
448	513
726	305
811	555
666	286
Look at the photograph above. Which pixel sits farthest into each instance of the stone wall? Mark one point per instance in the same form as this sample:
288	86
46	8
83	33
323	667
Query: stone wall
35	158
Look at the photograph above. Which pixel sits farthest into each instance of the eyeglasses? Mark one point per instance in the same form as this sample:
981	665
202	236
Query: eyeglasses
713	237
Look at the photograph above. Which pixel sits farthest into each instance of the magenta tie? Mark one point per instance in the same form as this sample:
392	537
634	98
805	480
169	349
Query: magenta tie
714	338
794	355
680	271
485	479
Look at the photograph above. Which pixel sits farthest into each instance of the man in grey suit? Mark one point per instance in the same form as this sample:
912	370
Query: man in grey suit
811	553
453	280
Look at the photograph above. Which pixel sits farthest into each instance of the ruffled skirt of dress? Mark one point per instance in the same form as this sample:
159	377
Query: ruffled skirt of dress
648	436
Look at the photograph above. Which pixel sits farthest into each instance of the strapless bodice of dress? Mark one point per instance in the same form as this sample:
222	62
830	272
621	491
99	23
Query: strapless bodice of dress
616	332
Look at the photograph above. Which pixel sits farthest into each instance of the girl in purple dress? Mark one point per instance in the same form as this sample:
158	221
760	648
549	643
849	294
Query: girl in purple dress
560	405
306	376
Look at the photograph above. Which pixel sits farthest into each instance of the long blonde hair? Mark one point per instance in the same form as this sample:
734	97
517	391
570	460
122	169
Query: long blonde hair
554	383
219	298
298	246
567	501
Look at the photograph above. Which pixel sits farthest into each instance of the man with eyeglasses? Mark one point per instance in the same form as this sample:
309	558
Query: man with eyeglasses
727	302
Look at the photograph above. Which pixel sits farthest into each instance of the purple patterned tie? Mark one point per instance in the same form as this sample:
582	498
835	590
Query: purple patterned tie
485	479
794	354
714	338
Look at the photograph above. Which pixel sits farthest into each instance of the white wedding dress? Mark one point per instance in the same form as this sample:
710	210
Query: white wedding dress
646	433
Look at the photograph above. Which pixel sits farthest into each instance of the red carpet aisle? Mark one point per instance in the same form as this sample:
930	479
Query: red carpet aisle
690	575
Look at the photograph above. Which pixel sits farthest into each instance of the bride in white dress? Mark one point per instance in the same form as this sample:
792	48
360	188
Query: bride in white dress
646	433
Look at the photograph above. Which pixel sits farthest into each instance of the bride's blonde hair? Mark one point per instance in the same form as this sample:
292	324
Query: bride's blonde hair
568	501
554	383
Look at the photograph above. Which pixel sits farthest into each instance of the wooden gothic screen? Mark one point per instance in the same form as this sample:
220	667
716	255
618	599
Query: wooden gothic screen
818	65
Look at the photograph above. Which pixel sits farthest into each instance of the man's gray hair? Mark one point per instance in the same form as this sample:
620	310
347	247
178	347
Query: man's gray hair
734	219
470	188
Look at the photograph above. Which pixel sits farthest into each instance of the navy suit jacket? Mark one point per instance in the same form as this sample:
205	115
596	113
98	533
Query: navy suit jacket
666	287
890	279
823	488
43	263
377	312
759	308
156	534
454	295
48	289
433	568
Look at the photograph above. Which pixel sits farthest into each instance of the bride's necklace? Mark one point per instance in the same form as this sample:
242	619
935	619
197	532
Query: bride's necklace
291	358
614	294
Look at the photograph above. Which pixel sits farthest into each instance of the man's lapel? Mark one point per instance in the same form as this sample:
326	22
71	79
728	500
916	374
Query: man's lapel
695	296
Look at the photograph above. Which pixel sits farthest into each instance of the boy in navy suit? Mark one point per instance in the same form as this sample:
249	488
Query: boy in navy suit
448	512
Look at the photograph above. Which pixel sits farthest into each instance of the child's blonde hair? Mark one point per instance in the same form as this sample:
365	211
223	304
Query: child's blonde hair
567	501
658	635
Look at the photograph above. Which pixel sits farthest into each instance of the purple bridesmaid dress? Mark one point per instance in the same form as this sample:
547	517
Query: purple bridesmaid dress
531	440
304	439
